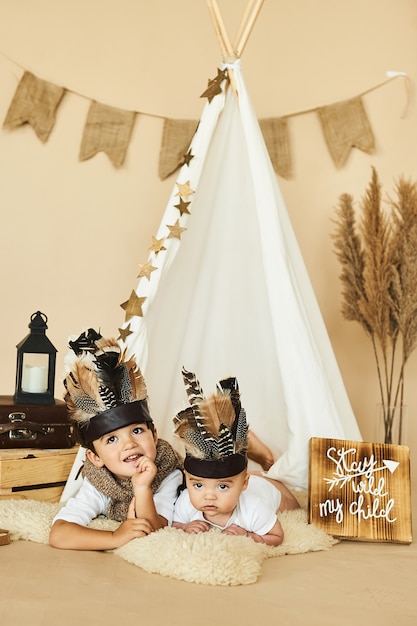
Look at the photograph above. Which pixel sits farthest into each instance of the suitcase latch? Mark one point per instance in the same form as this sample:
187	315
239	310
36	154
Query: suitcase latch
17	416
28	431
20	433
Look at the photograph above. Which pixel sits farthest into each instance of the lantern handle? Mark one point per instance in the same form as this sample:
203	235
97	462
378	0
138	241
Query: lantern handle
38	322
43	315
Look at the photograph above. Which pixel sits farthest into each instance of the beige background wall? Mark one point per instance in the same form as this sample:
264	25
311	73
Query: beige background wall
73	234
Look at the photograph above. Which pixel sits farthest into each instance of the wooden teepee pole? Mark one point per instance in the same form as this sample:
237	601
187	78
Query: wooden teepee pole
233	52
221	32
246	26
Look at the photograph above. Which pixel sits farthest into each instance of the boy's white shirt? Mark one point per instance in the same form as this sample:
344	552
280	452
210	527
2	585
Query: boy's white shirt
255	512
89	502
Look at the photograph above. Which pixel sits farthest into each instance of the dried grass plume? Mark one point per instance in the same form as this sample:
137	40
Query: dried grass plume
378	257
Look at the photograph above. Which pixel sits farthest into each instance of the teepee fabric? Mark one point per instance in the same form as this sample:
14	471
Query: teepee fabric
231	296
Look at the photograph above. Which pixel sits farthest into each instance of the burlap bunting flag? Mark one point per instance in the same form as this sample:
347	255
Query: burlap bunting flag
176	139
346	125
35	102
276	136
108	130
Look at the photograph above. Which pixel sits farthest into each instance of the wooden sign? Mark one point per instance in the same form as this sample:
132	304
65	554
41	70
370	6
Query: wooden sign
360	490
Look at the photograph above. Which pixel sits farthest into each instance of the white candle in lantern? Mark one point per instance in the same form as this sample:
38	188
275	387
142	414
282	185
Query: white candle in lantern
35	379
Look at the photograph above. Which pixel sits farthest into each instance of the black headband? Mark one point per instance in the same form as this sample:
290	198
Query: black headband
136	412
216	468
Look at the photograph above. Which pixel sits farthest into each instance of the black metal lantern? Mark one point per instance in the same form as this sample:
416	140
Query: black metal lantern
35	370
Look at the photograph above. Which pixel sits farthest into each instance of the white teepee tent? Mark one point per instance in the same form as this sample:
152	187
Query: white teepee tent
230	295
225	291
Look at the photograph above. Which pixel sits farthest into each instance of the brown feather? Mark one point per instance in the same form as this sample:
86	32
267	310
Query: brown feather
82	387
107	345
215	410
139	391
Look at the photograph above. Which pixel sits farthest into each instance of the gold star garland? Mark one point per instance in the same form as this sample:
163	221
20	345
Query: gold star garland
133	306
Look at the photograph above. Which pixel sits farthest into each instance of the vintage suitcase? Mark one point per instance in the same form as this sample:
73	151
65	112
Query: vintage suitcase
34	425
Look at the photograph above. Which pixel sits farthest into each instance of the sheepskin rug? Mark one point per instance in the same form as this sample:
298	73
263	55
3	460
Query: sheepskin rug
209	558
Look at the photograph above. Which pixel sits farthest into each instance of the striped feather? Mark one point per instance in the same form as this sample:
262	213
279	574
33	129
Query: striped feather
192	386
241	431
194	438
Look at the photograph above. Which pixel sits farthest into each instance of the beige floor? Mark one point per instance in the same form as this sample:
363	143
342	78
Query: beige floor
354	583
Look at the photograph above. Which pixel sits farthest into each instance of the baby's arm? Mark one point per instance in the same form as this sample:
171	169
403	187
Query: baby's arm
273	538
72	536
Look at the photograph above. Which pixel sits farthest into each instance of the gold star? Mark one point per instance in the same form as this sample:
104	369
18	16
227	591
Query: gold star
214	85
175	230
221	75
187	158
125	332
157	245
184	189
182	207
146	270
133	306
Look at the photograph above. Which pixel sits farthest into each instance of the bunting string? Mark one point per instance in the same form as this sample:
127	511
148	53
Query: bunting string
107	129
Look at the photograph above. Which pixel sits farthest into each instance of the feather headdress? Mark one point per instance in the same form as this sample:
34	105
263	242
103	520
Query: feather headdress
213	429
104	389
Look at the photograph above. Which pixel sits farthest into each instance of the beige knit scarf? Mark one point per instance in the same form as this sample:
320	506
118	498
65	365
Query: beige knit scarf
120	490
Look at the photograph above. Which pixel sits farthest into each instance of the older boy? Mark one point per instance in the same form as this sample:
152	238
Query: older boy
129	475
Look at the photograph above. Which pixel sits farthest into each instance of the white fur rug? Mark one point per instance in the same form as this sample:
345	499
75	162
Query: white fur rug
209	558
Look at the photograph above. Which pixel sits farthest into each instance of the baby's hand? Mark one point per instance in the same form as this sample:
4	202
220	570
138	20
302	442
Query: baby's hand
145	472
195	527
234	529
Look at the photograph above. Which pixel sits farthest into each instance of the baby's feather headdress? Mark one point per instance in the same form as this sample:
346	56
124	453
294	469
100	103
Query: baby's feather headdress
104	389
213	429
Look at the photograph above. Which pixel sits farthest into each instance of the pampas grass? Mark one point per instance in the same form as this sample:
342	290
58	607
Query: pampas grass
378	256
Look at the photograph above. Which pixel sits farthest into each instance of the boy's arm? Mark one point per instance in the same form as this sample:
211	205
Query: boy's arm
145	508
145	505
72	536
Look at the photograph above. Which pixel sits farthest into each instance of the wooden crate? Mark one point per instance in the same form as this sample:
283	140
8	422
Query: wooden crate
360	490
4	537
34	474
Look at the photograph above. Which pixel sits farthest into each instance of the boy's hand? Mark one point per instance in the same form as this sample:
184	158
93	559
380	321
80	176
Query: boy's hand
131	528
145	472
195	527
